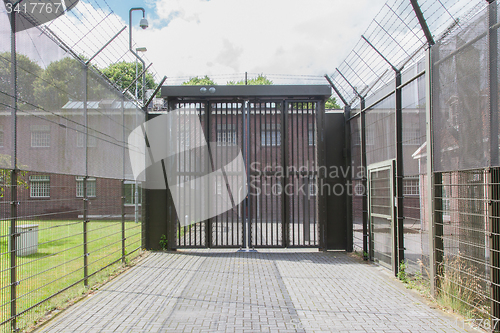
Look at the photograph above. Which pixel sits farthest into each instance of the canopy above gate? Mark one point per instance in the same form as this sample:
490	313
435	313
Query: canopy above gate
240	91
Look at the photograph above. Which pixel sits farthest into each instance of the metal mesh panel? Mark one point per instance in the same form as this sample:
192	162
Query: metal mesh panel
5	236
104	229
50	233
380	136
415	228
460	99
47	129
49	253
357	198
465	266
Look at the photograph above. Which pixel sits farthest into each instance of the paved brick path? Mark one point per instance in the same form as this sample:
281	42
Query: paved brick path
268	291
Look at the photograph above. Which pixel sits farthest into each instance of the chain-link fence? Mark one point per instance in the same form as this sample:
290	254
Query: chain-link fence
70	208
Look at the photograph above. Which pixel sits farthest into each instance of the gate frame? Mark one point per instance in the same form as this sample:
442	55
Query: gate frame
157	214
384	165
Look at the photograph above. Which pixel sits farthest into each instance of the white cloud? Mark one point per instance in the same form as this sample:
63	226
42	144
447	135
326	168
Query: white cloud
259	36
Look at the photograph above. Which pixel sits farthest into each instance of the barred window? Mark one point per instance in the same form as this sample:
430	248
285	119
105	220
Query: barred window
80	138
271	135
39	186
411	186
40	136
226	135
91	187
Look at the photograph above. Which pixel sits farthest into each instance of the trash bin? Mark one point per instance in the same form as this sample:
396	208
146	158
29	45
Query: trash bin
27	241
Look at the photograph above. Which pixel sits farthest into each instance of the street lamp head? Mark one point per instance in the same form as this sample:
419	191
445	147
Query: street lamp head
144	23
141	49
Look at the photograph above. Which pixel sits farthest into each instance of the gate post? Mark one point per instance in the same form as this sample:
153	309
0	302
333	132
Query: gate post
285	230
320	147
347	156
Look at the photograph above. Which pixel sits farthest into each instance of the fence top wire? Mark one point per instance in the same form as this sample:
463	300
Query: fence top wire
87	28
397	35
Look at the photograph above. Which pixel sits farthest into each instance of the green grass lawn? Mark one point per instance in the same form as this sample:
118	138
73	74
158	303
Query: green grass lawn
59	262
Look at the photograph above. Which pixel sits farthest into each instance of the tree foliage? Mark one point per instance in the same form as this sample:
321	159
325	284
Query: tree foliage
60	82
196	81
331	103
260	80
27	71
123	73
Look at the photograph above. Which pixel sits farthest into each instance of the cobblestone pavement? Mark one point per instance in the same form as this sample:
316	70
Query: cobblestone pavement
267	291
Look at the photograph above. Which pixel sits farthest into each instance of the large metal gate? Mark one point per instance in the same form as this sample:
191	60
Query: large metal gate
279	142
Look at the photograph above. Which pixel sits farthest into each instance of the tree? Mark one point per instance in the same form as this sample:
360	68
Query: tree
62	80
260	80
331	103
123	73
196	81
27	72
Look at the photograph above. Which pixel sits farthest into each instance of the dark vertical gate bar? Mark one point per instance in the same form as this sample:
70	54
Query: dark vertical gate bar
13	178
307	197
303	195
319	147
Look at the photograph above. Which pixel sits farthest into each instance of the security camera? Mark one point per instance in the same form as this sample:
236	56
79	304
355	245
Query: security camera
144	23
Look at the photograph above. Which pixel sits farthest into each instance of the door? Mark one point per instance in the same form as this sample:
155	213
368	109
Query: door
381	212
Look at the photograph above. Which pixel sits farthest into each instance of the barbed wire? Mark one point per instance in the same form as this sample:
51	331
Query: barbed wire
396	34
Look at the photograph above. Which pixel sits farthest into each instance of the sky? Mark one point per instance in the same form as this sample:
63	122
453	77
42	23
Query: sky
228	37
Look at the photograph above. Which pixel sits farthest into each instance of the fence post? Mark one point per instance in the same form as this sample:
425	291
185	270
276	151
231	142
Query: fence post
347	156
494	173
400	253
85	198
494	230
367	253
13	178
123	219
430	193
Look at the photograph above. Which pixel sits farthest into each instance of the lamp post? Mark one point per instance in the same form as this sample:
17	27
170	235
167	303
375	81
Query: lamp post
143	24
137	50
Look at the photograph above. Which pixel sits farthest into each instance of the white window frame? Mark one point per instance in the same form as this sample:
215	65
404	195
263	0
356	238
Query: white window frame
226	135
39	186
91	187
132	189
40	136
411	186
